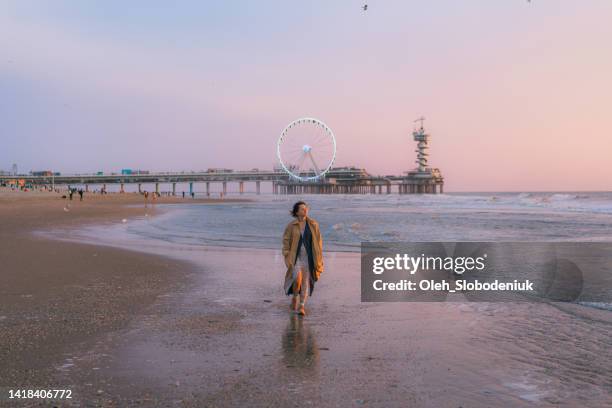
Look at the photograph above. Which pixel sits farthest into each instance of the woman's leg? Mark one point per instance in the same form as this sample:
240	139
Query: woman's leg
304	286
297	281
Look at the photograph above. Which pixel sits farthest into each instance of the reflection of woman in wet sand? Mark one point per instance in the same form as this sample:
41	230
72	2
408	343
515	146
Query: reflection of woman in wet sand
303	252
300	348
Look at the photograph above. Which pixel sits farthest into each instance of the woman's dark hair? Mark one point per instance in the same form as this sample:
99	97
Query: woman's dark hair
296	207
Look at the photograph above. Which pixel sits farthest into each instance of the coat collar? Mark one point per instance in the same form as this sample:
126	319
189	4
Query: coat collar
308	220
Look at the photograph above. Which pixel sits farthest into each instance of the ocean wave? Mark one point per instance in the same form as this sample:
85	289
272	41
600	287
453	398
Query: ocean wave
597	305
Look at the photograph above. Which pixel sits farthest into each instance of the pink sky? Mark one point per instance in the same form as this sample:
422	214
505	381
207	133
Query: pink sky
517	95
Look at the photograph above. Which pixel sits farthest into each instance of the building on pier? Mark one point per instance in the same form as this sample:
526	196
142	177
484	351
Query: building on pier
353	180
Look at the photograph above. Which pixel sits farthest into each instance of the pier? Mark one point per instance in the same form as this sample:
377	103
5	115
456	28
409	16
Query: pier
338	180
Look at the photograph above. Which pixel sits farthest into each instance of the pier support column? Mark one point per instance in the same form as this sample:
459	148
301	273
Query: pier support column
241	187
388	188
208	189
258	187
87	188
173	189
441	188
224	187
104	187
139	187
190	188
157	188
121	190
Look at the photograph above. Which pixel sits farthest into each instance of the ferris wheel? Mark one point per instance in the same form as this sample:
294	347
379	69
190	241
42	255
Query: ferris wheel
306	149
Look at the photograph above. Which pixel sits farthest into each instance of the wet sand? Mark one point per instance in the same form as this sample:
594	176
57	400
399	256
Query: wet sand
56	298
220	333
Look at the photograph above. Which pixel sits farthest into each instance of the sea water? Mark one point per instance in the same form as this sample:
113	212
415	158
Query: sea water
347	220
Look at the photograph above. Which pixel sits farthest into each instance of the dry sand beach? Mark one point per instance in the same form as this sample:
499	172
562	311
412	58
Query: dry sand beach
146	325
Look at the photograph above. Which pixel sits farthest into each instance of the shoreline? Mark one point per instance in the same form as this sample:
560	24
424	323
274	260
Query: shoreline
124	240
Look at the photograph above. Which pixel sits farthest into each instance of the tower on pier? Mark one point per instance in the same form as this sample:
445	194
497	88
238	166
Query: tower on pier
422	179
422	139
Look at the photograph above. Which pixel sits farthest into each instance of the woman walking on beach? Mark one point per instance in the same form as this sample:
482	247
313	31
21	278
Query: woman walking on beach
303	252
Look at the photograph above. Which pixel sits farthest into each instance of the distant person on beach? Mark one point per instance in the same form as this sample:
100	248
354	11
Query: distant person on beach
71	193
303	252
146	197
81	193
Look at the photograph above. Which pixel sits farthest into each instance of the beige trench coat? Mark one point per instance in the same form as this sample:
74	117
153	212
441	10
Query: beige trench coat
291	239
